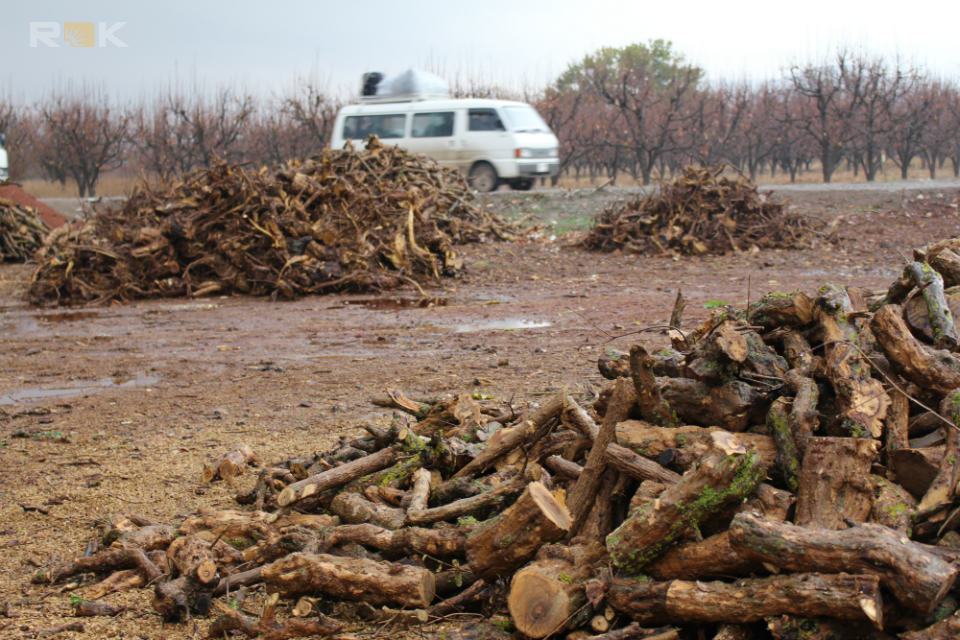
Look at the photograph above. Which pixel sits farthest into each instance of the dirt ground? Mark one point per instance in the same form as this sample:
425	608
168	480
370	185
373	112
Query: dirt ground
115	409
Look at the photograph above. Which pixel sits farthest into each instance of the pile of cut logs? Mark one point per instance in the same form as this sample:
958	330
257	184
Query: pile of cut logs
787	471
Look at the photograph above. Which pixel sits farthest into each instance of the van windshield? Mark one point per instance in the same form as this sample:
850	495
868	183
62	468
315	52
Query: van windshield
523	119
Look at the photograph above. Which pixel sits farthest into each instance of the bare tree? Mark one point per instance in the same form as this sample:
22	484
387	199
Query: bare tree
313	112
83	135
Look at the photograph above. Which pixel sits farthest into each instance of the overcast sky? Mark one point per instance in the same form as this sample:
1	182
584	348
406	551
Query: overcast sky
266	45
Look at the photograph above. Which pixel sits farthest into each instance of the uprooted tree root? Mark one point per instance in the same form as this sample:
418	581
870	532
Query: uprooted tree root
345	220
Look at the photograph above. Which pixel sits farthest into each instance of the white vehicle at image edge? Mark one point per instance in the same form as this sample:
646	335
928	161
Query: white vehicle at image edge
4	166
492	142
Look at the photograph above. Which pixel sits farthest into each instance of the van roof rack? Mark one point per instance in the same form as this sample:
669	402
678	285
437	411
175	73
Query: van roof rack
410	86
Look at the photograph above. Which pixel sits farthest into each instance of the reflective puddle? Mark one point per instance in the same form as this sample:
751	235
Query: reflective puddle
504	324
34	394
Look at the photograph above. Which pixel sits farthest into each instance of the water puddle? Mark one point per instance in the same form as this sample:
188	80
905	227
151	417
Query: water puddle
34	394
504	324
396	303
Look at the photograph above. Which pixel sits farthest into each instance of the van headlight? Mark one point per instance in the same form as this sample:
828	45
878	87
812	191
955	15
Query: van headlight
523	153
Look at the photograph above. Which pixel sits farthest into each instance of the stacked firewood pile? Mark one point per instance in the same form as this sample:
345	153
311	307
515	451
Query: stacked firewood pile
787	470
344	220
21	232
700	212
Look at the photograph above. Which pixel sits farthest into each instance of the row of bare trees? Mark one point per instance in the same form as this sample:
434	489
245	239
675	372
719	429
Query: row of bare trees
77	136
642	111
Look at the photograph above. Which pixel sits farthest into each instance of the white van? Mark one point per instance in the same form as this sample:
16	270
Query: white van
492	142
4	166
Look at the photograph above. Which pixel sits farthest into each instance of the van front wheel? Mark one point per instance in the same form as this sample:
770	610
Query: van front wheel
482	177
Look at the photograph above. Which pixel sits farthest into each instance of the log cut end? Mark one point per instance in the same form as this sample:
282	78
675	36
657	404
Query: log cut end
550	507
539	603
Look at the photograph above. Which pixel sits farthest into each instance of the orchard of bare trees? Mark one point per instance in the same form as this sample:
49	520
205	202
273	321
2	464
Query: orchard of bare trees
639	112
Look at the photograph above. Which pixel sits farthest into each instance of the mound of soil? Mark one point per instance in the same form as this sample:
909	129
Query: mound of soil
50	216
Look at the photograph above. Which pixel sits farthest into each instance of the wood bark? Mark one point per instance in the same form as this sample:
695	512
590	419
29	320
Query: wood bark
915	469
493	498
647	394
943	487
584	491
788	453
420	492
930	284
843	596
804	417
728	405
230	465
893	506
897	428
355	509
563	467
546	594
719	480
109	559
686	445
948	629
193	557
774	310
917	578
835	482
337	476
376	583
935	369
862	400
714	556
441	542
500	545
636	466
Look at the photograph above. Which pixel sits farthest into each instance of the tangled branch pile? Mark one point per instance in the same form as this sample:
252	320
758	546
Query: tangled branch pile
697	213
344	220
21	232
789	469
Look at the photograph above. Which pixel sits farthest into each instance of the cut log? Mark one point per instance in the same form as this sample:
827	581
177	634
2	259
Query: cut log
804	416
714	556
420	493
688	444
798	352
775	310
584	491
835	482
87	609
192	557
509	438
121	580
546	595
915	469
917	578
104	561
230	465
563	467
792	628
468	506
943	488
148	538
634	631
733	632
355	509
176	599
948	629
578	419
636	466
439	543
500	545
647	394
930	284
862	401
897	428
843	596
728	405
719	480
935	369
893	506
376	583
337	476
788	454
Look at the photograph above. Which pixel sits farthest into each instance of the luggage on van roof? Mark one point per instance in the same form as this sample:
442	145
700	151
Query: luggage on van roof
407	86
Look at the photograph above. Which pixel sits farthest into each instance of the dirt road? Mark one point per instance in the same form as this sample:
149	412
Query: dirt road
114	409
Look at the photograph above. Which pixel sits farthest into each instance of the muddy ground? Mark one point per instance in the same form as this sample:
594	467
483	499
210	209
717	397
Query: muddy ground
115	409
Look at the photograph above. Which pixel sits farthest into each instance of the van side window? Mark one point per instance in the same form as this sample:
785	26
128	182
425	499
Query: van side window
485	120
383	126
432	125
